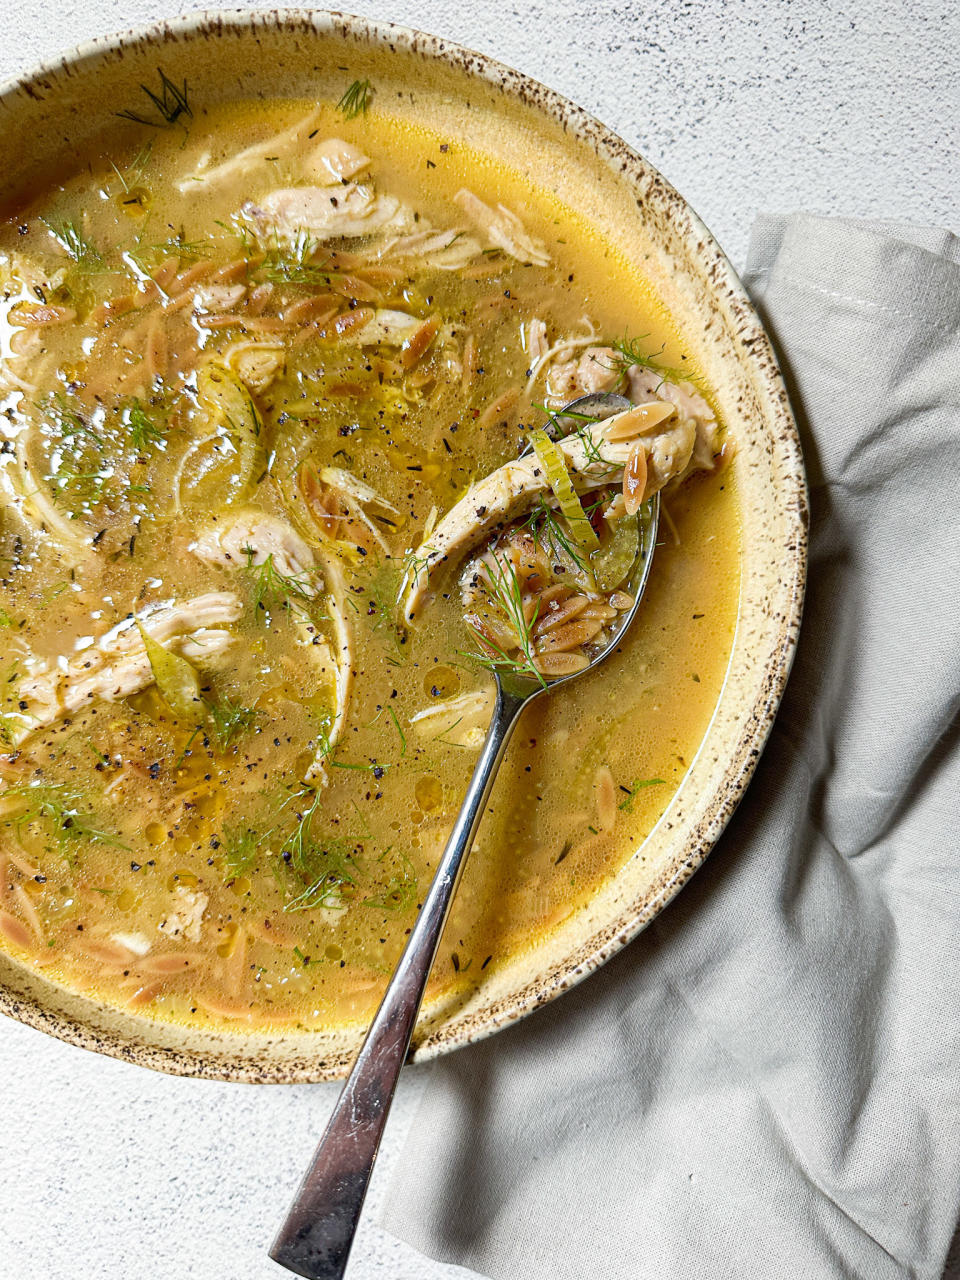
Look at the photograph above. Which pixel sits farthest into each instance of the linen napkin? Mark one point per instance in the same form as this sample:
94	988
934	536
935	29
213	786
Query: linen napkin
765	1083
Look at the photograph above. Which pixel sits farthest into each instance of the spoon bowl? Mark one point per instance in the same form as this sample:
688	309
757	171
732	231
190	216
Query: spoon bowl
596	407
316	1236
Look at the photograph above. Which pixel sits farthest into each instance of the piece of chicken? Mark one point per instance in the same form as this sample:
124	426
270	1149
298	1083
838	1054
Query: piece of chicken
325	213
326	162
447	250
597	369
184	920
117	665
250	537
643	384
594	457
601	369
334	160
503	229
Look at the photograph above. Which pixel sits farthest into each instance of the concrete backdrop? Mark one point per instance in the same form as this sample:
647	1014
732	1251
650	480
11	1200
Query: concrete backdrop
116	1173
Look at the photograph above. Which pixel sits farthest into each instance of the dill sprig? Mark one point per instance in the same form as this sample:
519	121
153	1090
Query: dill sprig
240	846
326	751
227	721
68	421
548	530
69	235
326	867
556	431
384	592
630	354
69	482
356	100
143	428
506	595
175	246
136	168
138	165
294	264
10	728
170	103
403	737
593	453
59	805
77	470
270	584
400	891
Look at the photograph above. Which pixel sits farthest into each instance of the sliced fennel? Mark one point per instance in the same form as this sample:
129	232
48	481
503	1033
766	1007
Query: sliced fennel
558	477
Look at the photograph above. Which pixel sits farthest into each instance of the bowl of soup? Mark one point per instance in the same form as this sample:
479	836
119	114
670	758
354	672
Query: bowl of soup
285	298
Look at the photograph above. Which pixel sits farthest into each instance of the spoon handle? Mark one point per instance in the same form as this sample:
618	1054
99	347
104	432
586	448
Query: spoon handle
318	1231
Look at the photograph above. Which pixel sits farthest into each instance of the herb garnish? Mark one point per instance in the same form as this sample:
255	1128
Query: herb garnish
294	264
630	354
228	721
171	103
143	429
326	750
72	240
240	846
506	595
548	532
59	805
636	785
400	892
270	583
326	867
356	99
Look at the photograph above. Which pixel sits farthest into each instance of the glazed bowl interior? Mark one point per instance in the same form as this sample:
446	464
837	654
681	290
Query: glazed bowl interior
552	145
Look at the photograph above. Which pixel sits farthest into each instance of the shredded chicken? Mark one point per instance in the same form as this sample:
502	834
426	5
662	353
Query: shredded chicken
644	383
247	161
597	369
503	229
594	459
249	537
536	345
343	660
116	665
462	720
334	161
448	250
185	919
325	213
600	369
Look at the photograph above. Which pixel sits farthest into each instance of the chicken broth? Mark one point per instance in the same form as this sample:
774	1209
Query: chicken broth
267	375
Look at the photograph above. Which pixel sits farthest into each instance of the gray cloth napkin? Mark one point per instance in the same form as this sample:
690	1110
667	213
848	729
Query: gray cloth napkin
765	1083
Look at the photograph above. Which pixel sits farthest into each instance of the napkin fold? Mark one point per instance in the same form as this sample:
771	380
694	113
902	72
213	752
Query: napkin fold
765	1083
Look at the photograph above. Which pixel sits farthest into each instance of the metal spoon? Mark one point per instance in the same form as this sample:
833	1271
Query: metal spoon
316	1236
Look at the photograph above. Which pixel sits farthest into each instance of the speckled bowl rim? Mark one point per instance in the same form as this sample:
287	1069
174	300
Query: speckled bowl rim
770	389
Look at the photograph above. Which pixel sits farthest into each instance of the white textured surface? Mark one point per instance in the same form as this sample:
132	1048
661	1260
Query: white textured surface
113	1172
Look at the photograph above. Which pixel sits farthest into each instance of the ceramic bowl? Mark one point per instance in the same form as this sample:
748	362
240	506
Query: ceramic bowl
554	144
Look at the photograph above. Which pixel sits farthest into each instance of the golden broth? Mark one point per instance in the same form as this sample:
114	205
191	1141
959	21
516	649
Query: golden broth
120	817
